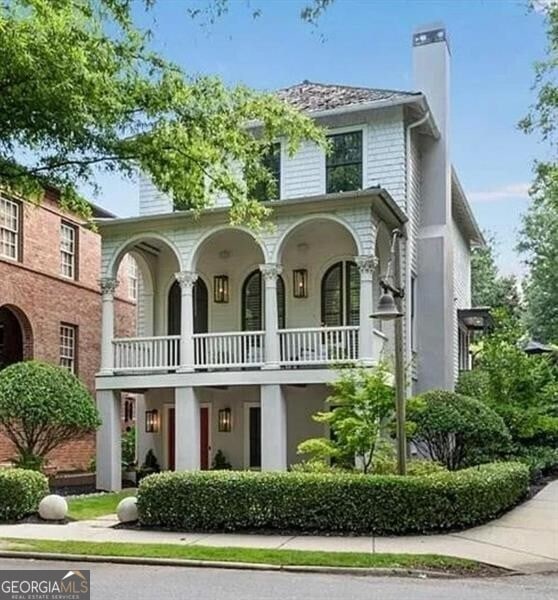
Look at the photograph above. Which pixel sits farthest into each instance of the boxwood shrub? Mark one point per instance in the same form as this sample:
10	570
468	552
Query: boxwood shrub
336	503
20	492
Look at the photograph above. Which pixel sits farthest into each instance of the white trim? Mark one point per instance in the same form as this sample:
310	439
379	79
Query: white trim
246	432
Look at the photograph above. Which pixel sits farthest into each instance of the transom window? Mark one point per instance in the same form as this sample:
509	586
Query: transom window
272	162
9	228
344	162
341	295
68	238
68	339
252	302
132	278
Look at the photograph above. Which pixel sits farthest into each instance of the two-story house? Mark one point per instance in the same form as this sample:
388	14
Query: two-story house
50	301
239	332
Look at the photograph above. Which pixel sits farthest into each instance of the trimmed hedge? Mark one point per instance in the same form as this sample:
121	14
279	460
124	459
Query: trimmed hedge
20	493
340	503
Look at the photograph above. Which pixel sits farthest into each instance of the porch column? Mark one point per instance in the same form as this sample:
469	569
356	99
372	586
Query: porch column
274	428
109	474
187	429
270	272
186	279
108	287
367	353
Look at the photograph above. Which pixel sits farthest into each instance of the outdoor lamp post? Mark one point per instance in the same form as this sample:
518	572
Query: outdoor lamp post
389	309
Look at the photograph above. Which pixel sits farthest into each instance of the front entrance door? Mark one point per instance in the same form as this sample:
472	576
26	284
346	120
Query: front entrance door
204	438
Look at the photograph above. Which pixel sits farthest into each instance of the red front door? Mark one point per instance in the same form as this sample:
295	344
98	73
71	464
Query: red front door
204	438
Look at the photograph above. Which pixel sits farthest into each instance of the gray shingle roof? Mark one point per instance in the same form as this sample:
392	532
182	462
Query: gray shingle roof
310	96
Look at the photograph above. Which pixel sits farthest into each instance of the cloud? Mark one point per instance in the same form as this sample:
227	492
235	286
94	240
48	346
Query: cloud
513	191
542	6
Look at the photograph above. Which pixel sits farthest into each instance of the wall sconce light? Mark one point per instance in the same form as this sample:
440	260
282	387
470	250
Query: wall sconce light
152	421
300	283
221	289
225	420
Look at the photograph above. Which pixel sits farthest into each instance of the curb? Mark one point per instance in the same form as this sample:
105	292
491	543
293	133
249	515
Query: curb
214	564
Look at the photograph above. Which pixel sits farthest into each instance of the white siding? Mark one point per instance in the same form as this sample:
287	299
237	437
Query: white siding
304	173
151	201
461	281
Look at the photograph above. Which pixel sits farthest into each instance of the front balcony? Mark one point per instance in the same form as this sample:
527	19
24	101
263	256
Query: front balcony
301	347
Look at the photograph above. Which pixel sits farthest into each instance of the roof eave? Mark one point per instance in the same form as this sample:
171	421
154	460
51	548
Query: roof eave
474	231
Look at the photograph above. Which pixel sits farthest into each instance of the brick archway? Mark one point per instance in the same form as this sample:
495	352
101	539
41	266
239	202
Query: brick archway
17	335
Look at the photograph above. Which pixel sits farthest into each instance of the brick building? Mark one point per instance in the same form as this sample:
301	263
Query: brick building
50	302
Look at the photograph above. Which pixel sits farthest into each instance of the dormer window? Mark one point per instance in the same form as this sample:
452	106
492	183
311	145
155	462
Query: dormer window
344	162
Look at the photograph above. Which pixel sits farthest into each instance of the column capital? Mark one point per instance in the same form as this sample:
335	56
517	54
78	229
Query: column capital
366	263
108	285
186	279
271	271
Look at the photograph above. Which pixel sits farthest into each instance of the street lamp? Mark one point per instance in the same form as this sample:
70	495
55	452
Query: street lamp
389	309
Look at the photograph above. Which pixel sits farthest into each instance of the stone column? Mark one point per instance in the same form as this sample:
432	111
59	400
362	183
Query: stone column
270	273
187	429
186	279
109	469
367	352
108	287
274	428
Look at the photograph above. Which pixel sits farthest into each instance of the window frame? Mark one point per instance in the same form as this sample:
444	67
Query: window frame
72	357
18	232
343	132
281	293
64	252
345	308
133	278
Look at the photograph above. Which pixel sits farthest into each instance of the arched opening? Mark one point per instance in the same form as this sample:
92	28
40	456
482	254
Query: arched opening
253	302
340	294
199	308
16	340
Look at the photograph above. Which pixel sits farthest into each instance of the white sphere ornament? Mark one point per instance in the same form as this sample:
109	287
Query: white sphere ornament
127	510
53	508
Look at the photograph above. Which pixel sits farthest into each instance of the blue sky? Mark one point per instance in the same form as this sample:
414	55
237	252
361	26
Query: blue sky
494	44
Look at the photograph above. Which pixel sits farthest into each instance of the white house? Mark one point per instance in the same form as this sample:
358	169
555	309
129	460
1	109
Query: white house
239	333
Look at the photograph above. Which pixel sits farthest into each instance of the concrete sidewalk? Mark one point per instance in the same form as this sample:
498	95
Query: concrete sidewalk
525	539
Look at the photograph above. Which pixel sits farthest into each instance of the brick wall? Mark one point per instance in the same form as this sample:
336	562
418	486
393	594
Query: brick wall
44	299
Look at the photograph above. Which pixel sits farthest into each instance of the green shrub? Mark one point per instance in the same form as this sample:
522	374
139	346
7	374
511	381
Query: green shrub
129	448
20	493
336	503
541	460
457	430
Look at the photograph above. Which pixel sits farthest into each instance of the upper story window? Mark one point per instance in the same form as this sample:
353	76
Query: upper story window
9	228
68	347
272	162
341	295
68	250
344	162
133	278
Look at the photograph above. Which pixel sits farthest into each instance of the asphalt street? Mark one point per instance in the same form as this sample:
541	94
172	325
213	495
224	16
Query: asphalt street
123	582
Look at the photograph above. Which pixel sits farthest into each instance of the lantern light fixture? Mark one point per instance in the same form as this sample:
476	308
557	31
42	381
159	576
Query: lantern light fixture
225	420
152	421
221	289
300	283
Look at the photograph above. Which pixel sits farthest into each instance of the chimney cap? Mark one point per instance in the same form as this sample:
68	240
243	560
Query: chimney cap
430	34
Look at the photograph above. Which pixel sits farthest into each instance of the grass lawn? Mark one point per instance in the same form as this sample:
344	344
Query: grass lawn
96	505
249	555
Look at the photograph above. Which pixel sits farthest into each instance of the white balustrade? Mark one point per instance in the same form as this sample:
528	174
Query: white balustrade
318	345
229	350
147	353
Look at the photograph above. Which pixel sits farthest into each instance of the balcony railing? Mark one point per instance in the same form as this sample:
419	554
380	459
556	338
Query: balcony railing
243	349
318	345
147	354
306	347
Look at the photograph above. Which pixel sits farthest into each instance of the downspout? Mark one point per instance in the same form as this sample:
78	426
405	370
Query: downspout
407	250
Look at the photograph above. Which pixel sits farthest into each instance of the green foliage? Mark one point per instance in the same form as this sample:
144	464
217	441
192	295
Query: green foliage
313	502
129	448
20	493
385	463
456	430
362	402
41	407
541	460
521	388
97	98
220	462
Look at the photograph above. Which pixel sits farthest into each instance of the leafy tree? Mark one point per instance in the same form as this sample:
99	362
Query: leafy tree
539	234
488	287
456	430
42	407
362	405
521	388
82	92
